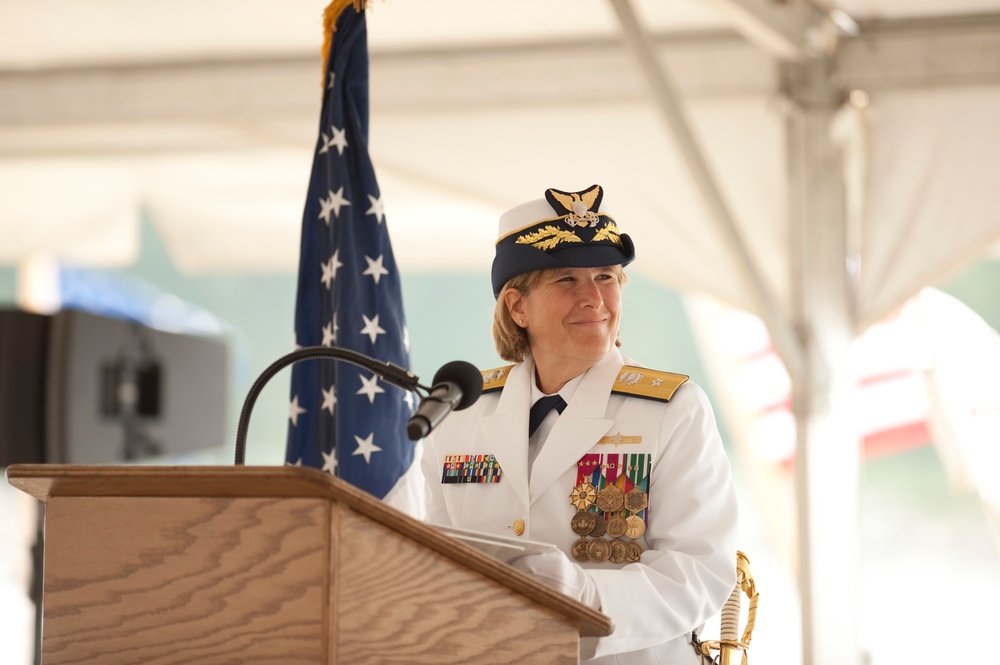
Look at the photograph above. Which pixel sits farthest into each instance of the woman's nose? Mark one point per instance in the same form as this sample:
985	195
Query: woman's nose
590	294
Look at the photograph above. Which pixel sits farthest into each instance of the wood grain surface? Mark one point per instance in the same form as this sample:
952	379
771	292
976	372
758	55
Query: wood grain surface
218	581
403	603
254	565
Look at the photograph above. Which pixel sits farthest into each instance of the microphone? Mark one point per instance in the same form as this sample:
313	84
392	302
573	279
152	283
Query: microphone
457	385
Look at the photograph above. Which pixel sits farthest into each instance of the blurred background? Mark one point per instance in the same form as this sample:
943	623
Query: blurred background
811	189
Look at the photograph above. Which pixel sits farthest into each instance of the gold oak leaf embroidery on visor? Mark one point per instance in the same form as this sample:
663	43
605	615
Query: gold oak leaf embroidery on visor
609	232
547	237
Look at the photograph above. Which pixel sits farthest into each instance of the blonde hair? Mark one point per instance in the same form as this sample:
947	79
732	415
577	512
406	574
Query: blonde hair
510	339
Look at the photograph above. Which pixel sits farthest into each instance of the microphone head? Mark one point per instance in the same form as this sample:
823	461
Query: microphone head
468	379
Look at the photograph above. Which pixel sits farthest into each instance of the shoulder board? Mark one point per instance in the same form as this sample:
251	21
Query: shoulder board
494	379
647	383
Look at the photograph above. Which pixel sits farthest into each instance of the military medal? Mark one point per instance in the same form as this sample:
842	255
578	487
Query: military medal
634	527
616	526
610	499
583	523
583	496
636	500
600	525
580	550
618	551
599	550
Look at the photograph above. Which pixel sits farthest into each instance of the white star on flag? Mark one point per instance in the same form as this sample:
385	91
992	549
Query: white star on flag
408	398
406	339
330	332
366	447
371	328
330	269
334	204
339	139
330	462
376	208
294	410
369	387
329	399
375	268
297	462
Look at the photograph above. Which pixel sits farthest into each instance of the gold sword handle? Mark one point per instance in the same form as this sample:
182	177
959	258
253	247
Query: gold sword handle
731	650
748	586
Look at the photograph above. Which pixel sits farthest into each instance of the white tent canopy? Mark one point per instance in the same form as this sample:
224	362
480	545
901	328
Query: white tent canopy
204	115
816	209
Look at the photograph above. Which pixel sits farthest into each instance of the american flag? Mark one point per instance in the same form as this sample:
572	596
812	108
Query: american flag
344	419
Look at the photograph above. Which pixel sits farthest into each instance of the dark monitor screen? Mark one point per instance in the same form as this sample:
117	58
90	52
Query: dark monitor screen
112	391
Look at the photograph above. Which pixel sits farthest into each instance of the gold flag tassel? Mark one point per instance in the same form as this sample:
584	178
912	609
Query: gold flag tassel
330	16
728	646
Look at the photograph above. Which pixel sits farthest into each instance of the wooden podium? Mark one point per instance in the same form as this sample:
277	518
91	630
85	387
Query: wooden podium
253	565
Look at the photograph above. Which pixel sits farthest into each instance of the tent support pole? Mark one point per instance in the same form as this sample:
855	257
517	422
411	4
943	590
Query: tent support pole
828	460
666	99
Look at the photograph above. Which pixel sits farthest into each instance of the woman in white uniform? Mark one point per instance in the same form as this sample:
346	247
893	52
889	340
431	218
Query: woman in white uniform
621	467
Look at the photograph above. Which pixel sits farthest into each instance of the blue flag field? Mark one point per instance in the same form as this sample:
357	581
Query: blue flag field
343	419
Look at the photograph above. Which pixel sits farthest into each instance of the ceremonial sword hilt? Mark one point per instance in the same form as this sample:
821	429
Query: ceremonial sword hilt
732	650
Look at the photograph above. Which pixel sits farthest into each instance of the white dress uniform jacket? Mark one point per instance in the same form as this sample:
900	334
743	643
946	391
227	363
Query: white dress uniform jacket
687	568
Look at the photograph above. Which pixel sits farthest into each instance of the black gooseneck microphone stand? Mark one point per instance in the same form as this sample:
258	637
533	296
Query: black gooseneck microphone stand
393	374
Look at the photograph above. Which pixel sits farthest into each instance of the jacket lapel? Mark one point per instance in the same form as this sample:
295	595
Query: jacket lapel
579	427
506	430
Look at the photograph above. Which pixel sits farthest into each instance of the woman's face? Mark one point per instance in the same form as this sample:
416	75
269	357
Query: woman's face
571	316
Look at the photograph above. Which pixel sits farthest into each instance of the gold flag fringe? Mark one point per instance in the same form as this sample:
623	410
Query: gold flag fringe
330	16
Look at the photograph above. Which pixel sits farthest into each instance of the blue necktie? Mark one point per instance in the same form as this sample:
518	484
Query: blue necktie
541	409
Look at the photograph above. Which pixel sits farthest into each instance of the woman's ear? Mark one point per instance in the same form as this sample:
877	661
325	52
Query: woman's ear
514	300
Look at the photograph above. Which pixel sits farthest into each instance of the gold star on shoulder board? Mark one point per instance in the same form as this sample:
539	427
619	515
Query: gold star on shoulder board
647	383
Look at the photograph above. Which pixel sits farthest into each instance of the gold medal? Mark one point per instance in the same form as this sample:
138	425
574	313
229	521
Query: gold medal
598	550
583	496
617	526
583	523
610	499
580	550
600	526
633	551
636	500
635	527
619	551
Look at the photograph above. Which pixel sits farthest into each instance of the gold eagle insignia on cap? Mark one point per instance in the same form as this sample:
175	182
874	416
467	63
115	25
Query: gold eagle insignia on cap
581	206
648	383
494	379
